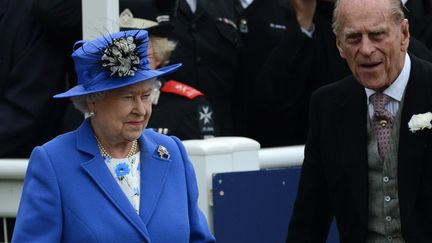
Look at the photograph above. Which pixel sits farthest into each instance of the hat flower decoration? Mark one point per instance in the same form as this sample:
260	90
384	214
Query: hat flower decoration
420	122
121	57
113	61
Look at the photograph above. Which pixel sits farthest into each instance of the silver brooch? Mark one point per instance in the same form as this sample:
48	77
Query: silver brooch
163	152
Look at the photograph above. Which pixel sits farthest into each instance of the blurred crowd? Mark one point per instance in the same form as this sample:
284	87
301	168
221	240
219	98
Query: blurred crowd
254	63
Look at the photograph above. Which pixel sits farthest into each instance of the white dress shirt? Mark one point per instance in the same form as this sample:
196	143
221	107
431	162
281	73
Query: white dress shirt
395	90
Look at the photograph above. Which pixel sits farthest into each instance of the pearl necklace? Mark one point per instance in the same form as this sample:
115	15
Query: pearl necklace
105	154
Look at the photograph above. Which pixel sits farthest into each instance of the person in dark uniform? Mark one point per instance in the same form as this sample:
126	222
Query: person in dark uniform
183	111
178	109
34	65
208	46
261	24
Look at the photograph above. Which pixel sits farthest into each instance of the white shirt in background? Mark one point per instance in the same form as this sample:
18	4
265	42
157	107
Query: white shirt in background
245	3
192	4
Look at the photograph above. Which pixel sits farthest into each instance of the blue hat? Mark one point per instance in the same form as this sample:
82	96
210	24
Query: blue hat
113	61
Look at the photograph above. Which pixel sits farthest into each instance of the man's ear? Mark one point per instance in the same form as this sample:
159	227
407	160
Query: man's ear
339	47
405	35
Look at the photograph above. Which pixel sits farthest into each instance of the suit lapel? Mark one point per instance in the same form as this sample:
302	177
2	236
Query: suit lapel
154	171
417	99
352	134
101	175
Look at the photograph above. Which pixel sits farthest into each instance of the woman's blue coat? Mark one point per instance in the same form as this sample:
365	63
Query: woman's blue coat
69	195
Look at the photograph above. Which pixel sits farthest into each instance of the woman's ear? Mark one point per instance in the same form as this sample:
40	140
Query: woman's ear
91	106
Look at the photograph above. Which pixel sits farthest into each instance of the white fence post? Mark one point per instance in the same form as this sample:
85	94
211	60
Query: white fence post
12	173
207	158
99	17
215	155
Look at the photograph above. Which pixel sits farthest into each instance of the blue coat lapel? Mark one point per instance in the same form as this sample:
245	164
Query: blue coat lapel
99	172
154	170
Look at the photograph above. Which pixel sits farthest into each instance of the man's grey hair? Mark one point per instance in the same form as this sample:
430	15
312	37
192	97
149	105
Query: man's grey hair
162	48
396	11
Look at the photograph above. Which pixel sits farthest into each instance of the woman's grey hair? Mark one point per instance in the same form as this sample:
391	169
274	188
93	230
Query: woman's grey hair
396	11
81	102
162	48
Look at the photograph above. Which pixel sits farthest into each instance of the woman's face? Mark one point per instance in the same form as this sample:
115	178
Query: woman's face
122	115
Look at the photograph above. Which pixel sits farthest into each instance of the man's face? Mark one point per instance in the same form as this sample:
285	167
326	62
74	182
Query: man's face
372	42
151	56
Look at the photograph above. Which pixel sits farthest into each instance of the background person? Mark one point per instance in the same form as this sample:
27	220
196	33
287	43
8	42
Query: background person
178	109
111	180
208	45
419	14
261	25
362	163
34	65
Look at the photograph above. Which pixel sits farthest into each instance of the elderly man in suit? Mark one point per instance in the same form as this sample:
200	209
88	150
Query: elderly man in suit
369	150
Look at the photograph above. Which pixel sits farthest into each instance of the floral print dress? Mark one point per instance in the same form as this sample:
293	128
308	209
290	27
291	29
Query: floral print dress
126	172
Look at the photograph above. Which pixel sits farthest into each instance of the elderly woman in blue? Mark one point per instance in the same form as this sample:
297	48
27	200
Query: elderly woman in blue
111	180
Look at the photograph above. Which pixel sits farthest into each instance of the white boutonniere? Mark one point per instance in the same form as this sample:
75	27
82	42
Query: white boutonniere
420	122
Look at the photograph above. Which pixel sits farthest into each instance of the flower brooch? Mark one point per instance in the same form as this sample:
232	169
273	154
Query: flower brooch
420	122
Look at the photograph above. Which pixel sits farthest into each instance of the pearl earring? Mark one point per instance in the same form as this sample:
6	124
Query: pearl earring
89	114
